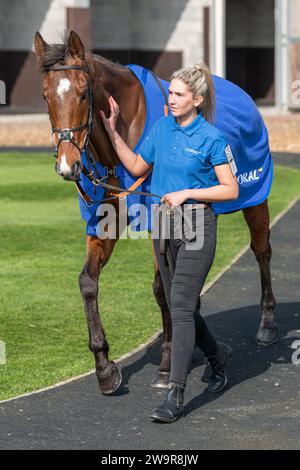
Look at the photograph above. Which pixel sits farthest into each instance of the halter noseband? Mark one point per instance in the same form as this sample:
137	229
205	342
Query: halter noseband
66	135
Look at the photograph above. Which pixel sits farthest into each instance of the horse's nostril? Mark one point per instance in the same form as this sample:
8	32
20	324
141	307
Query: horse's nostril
76	167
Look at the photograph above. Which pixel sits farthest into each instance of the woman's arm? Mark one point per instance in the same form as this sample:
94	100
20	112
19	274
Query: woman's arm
134	163
227	189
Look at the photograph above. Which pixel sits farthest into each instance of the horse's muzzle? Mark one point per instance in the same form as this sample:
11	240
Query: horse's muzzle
71	175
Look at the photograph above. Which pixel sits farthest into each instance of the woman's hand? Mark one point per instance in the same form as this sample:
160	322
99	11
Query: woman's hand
110	122
175	199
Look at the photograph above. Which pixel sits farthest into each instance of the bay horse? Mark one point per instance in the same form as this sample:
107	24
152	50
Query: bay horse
76	86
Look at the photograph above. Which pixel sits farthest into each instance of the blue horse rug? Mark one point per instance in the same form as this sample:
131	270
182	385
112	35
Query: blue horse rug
239	120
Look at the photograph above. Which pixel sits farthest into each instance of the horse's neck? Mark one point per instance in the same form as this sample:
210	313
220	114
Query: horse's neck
120	83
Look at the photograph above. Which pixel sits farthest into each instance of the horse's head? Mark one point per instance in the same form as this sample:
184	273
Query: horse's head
67	91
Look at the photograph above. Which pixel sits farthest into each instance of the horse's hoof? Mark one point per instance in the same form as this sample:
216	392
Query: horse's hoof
162	380
267	336
110	380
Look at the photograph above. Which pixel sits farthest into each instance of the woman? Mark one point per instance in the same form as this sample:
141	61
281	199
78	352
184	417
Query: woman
190	160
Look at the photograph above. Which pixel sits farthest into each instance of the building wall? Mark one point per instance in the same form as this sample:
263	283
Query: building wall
250	24
161	34
18	24
19	20
250	47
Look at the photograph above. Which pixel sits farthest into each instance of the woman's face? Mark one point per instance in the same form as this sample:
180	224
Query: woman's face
181	99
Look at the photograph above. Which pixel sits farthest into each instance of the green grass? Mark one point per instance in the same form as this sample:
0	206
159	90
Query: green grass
42	320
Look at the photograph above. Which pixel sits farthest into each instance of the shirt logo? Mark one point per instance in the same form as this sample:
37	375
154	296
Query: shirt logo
193	151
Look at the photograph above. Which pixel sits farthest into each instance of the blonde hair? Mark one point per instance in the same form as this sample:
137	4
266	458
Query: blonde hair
199	80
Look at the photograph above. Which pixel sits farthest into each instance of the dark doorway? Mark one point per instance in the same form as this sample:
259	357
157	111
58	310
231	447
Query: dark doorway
250	47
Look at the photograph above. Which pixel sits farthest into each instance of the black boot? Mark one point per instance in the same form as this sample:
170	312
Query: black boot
172	407
218	378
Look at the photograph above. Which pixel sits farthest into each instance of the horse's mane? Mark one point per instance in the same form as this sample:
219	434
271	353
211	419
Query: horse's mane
57	53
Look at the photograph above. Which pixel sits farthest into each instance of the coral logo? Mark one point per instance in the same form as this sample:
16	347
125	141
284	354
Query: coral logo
253	175
193	151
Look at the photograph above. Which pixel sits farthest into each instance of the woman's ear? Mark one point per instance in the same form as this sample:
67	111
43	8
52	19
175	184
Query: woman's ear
198	101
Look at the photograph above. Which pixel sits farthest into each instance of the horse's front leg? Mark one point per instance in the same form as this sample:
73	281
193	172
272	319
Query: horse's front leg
257	218
98	253
162	379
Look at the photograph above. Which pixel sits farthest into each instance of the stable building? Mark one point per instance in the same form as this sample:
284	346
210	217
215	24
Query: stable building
253	43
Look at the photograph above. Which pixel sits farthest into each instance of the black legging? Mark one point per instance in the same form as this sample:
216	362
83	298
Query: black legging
182	293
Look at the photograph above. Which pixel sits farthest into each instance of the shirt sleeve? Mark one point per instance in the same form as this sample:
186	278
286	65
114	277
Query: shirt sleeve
147	150
221	154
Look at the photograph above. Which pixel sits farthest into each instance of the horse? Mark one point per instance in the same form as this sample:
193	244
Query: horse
76	86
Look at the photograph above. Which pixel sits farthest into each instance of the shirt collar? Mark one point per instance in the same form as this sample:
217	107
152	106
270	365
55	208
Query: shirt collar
191	128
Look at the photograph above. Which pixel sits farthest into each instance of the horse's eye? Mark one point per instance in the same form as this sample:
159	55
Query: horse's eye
83	97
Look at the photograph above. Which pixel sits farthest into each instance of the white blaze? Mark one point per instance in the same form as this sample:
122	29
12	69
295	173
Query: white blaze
64	167
63	87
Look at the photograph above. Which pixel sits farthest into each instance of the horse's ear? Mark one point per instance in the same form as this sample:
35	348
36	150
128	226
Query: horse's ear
75	46
40	46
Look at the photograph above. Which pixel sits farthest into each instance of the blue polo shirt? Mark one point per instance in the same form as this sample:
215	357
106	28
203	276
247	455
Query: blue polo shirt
183	157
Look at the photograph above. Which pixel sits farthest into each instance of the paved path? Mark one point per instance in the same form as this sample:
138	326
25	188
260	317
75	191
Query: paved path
261	409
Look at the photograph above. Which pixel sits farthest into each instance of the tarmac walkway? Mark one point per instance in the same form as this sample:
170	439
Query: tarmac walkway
259	410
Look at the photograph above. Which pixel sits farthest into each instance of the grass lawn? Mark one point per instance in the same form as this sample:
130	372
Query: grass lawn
42	320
